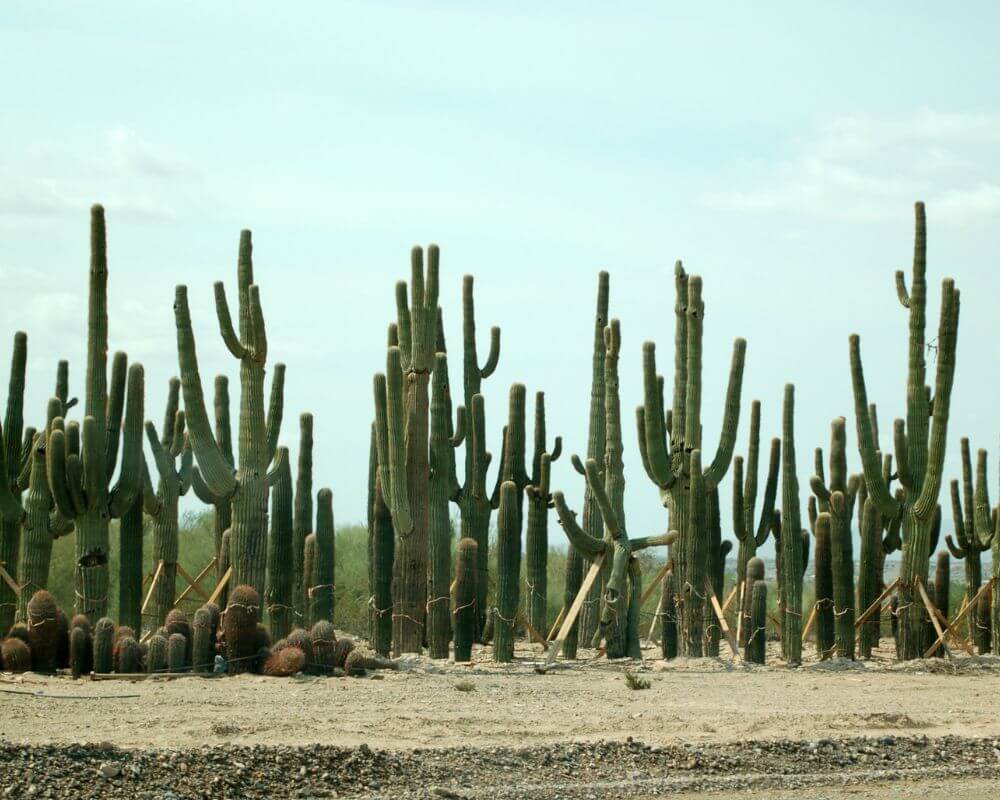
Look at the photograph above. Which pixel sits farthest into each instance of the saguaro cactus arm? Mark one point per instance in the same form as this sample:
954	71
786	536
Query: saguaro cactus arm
469	336
390	441
216	470
275	410
730	418
587	545
129	484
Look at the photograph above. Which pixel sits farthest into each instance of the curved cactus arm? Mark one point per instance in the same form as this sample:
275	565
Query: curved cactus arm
258	351
878	491
275	410
178	438
161	457
819	489
495	497
739	520
730	418
770	493
958	518
662	540
55	467
229	335
187	467
900	448
812	510
578	465
201	490
935	530
278	466
170	414
223	426
404	331
459	433
62	388
656	445
596	484
983	531
901	292
893	541
557	448
129	484
819	470
215	469
493	357
150	501
113	411
93	461
925	504
390	441
586	545
953	548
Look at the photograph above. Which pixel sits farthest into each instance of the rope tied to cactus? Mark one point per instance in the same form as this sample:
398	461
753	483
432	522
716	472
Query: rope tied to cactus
463	607
510	622
436	600
839	612
378	612
312	589
407	616
272	607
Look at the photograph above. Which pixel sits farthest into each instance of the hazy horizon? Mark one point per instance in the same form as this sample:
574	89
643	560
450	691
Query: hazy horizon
777	150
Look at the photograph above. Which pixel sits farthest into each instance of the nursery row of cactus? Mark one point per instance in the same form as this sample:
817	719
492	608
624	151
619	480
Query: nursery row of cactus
274	572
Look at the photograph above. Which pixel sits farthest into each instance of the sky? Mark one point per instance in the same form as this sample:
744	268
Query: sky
776	148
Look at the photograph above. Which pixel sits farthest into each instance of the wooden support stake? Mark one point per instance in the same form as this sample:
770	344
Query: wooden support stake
810	621
930	610
152	587
532	630
722	621
556	624
776	621
221	585
9	581
572	614
656	582
729	600
958	618
740	615
877	605
193	583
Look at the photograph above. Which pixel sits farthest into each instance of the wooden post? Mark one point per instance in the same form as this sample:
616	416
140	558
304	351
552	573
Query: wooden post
572	614
930	610
9	580
722	620
556	624
810	621
740	615
729	600
532	630
152	587
875	606
221	585
194	583
958	618
656	582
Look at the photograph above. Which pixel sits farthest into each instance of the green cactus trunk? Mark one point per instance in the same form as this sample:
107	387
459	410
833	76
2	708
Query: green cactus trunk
536	562
279	598
716	572
165	551
823	573
668	617
465	613
791	546
321	592
383	546
869	579
302	524
441	460
756	648
10	519
508	573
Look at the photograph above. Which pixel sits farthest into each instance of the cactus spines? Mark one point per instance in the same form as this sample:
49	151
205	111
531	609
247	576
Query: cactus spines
15	655
942	583
202	641
281	584
751	532
321	587
43	632
382	554
302	516
537	527
465	613
443	439
239	625
324	641
157	655
80	483
11	513
174	482
823	586
104	643
756	647
668	461
920	446
176	652
341	651
792	561
508	573
285	662
868	577
668	617
258	434
177	622
130	541
302	639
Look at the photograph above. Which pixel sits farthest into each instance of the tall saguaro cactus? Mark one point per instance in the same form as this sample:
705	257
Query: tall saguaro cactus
920	447
164	509
80	480
669	461
537	528
750	532
837	498
222	504
473	499
247	487
792	560
279	598
11	450
302	518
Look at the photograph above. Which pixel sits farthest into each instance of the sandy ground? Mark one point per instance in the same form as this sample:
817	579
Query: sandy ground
436	704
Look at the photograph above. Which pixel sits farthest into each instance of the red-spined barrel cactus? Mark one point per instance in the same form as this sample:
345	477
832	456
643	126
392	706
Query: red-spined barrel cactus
43	632
177	622
240	628
324	641
15	655
202	641
128	656
285	662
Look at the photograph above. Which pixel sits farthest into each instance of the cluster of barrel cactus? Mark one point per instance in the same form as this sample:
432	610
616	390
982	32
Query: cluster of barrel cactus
431	587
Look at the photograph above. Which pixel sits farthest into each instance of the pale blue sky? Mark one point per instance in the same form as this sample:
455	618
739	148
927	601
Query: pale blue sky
775	147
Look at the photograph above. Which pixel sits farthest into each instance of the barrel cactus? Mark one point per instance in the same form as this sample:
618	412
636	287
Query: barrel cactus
43	632
239	625
104	643
15	655
202	641
324	642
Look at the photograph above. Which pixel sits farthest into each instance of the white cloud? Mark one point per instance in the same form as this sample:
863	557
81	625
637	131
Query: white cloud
861	169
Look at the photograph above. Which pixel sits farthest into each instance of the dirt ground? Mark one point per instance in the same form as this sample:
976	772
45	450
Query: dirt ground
429	704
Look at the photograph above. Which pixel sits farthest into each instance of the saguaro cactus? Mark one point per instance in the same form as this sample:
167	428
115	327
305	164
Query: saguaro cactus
973	535
592	523
164	508
837	499
750	532
464	612
224	438
12	451
302	521
443	440
920	447
381	554
756	647
668	463
537	528
280	563
79	481
321	589
473	501
823	586
247	488
792	565
508	573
